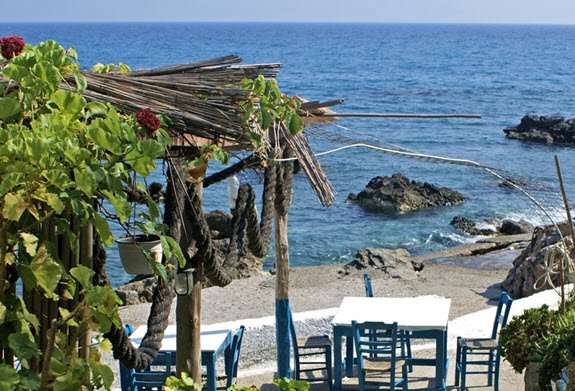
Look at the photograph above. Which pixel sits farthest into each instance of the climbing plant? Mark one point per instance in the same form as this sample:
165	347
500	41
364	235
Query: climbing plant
62	157
266	111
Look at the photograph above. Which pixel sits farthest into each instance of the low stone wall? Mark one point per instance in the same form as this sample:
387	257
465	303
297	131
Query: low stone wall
259	342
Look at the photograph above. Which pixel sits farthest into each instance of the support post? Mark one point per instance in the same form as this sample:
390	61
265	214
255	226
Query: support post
188	313
282	295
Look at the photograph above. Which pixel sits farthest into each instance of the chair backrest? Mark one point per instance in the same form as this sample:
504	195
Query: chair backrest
502	314
377	339
232	370
367	283
154	377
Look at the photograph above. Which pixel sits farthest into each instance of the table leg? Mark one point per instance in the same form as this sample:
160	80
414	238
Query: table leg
348	356
337	358
441	359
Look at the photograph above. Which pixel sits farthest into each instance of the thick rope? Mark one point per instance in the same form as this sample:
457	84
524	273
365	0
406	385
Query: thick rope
162	297
205	253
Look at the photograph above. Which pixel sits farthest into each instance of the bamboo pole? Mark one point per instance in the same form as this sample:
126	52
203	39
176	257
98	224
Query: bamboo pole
570	222
401	115
86	257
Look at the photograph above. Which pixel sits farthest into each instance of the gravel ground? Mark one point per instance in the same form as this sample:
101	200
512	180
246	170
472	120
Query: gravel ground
321	287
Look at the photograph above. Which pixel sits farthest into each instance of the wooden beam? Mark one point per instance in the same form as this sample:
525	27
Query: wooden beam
401	115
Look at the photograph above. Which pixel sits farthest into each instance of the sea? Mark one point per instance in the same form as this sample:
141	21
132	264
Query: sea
501	72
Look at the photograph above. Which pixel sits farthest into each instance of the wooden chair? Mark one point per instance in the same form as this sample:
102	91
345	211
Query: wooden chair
318	345
234	359
379	352
403	335
486	349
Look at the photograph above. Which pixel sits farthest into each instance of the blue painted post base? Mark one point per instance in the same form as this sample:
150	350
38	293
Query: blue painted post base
283	338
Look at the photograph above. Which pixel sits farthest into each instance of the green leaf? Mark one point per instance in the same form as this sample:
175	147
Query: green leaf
176	250
9	106
105	139
121	205
30	243
29	380
85	181
83	275
23	347
103	229
2	313
81	83
69	102
14	206
266	119
46	271
8	377
159	270
64	313
10	181
295	124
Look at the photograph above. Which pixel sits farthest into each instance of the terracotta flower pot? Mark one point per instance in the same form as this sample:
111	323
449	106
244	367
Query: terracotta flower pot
131	250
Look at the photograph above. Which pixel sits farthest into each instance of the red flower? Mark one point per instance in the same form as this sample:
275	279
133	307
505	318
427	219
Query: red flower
148	120
11	46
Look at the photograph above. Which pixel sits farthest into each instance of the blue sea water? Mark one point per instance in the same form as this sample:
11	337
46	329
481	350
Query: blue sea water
499	71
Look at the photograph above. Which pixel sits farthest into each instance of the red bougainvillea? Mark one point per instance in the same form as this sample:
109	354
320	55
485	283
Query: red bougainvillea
11	46
148	120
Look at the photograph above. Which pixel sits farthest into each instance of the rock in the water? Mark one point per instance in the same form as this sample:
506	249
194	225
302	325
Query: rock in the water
398	194
493	227
543	129
137	291
509	227
469	227
530	265
396	263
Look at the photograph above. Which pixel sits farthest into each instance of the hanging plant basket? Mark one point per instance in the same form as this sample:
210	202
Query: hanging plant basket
131	250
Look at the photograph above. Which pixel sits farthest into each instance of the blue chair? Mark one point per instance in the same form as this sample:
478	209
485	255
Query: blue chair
308	347
403	335
486	350
380	351
232	364
367	284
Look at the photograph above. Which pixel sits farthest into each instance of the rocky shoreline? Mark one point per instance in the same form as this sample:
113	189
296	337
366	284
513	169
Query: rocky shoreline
548	129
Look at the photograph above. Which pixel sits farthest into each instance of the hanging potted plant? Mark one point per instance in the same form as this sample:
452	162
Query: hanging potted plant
142	253
138	251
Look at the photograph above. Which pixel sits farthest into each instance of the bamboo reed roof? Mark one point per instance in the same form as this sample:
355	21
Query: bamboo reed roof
203	101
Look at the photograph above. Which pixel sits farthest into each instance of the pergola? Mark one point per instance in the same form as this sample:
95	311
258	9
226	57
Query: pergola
203	101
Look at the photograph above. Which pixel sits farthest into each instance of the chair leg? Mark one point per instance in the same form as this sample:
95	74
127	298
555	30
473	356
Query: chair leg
408	346
496	374
457	361
328	366
361	376
404	370
490	368
463	366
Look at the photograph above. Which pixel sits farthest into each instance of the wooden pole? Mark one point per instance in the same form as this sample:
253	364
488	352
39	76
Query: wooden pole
401	115
188	317
570	222
282	295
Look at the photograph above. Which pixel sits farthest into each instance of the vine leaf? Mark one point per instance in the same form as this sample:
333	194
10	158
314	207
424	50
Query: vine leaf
30	243
47	272
14	206
24	348
8	377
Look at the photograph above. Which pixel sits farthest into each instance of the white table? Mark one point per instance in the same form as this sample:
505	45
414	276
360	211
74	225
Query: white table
424	316
213	343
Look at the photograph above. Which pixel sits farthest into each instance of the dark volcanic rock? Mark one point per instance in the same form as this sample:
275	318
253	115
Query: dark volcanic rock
509	227
543	129
468	226
220	224
395	263
398	194
530	266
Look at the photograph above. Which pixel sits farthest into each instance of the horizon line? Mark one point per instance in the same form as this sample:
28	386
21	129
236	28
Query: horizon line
288	22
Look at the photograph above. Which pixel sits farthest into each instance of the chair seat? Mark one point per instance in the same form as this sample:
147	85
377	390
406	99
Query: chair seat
314	341
376	364
479	343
